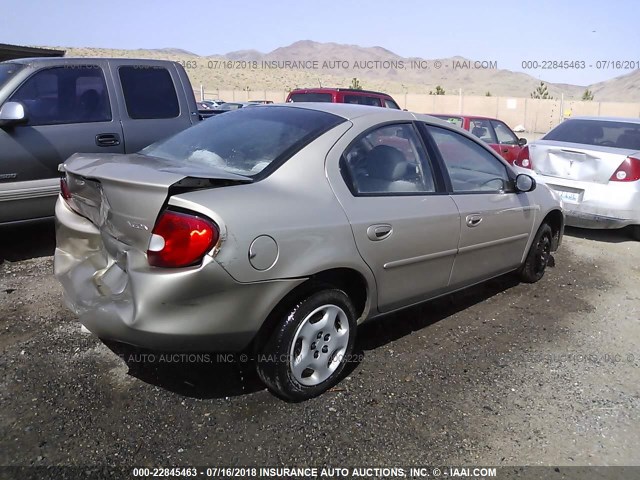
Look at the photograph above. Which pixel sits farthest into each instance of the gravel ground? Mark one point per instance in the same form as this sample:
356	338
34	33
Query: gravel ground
501	374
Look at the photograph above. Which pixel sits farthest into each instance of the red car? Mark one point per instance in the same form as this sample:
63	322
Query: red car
342	95
492	131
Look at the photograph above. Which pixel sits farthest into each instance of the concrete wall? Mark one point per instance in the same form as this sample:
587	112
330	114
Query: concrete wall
537	116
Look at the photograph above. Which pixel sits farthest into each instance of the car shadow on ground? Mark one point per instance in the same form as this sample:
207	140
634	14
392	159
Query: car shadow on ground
609	236
191	374
384	330
218	375
23	242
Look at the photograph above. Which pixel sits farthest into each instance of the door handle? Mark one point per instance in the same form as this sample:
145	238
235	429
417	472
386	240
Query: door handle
379	232
107	139
505	150
474	220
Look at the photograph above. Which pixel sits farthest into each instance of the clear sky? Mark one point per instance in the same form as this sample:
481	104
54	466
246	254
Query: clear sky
508	32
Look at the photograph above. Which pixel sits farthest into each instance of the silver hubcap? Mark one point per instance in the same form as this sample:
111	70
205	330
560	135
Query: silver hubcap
319	345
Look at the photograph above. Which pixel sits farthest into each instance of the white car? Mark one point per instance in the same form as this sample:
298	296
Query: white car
593	163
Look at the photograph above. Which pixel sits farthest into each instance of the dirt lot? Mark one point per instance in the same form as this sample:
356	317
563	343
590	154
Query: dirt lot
502	374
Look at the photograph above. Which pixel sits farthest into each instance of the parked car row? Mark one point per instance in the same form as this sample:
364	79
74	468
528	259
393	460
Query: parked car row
229	106
492	131
277	229
592	163
210	104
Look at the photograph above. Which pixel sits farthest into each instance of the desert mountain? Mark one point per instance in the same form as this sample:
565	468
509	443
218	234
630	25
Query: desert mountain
309	64
623	88
174	51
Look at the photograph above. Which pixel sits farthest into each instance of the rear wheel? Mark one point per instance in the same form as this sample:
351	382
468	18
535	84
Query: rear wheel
538	257
309	349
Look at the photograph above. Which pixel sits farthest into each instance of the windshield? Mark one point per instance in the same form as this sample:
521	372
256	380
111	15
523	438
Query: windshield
8	70
602	133
457	121
245	141
230	106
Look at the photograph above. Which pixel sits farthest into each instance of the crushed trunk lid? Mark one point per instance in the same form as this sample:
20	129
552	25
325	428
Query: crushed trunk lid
123	194
575	161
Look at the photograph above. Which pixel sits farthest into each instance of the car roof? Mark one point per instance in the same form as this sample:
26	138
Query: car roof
459	115
59	60
607	119
329	90
350	111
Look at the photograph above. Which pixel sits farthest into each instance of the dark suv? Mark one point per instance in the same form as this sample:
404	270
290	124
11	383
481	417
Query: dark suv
342	95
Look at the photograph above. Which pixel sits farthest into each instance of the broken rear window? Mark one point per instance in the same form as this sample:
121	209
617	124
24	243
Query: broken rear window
245	141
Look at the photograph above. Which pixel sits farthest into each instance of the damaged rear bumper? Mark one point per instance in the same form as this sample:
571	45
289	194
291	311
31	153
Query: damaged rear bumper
118	296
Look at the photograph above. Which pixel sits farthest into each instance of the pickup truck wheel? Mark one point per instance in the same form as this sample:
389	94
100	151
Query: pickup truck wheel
635	232
538	257
309	349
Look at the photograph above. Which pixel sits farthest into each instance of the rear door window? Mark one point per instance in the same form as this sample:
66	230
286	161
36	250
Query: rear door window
149	92
389	160
311	97
60	95
363	100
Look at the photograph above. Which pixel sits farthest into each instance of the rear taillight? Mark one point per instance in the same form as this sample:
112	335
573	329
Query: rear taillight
523	159
181	239
64	188
628	171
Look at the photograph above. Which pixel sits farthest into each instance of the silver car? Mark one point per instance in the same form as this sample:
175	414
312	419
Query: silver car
277	230
593	163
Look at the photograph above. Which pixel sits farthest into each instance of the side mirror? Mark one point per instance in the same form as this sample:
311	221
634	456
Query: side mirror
525	183
12	113
522	142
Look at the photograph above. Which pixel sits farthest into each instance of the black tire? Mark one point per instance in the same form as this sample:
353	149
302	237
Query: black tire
538	257
276	363
635	232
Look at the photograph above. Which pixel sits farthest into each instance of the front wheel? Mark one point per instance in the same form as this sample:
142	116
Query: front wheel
309	349
538	257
